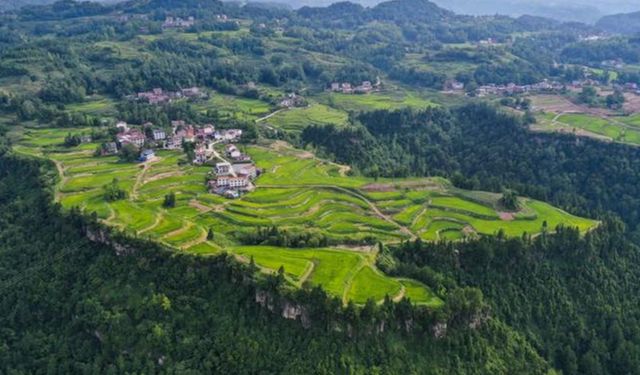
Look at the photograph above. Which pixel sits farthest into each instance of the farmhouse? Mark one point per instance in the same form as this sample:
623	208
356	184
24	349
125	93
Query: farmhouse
346	88
453	85
247	169
134	137
122	126
223	169
147	155
293	100
231	182
177	22
155	96
173	143
109	148
232	151
159	135
227	135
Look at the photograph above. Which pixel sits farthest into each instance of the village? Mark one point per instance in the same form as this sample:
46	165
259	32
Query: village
233	171
365	87
544	86
160	96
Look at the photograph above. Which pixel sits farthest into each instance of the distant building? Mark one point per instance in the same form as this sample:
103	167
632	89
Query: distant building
109	148
133	136
159	135
223	169
177	22
122	126
147	155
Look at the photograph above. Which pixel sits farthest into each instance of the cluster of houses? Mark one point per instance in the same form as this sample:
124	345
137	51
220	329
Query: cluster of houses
235	177
159	96
545	86
178	23
512	88
347	88
293	100
204	137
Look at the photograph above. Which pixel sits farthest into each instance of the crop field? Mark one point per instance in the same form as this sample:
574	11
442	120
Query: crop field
235	106
297	192
296	119
382	100
623	129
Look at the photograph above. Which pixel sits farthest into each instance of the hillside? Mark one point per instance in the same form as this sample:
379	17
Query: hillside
624	23
251	187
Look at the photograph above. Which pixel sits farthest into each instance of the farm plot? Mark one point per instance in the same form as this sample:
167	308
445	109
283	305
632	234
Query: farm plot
296	119
297	193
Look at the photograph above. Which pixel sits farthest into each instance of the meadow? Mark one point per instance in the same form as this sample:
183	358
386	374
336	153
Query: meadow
297	192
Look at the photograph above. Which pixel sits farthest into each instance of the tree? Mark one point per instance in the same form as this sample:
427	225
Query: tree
113	192
129	153
588	95
210	236
615	100
509	200
169	200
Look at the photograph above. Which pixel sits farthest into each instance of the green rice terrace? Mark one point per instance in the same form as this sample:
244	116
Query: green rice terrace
622	129
297	192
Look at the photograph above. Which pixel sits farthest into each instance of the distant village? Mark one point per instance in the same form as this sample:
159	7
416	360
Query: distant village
233	172
365	87
160	96
540	87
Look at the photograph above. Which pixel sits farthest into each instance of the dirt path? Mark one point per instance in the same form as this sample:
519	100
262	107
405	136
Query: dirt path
155	224
307	273
400	295
199	240
63	179
271	115
140	178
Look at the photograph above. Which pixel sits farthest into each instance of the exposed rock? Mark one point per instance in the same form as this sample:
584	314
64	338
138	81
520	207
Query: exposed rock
439	330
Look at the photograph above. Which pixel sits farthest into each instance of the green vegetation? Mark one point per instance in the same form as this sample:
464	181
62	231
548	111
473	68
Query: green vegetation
297	193
618	129
296	119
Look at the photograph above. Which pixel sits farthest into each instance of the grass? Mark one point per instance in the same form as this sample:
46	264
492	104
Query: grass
296	119
297	192
374	101
371	284
622	129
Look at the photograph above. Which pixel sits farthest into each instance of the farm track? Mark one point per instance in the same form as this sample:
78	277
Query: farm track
140	178
152	226
197	241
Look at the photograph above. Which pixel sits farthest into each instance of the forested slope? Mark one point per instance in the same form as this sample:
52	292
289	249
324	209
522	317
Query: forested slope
69	306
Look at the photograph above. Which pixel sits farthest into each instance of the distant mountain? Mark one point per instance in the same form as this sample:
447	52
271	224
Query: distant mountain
625	23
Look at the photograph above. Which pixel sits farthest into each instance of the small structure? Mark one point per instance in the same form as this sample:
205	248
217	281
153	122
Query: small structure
122	126
133	136
109	148
247	169
159	135
177	22
85	139
147	155
223	169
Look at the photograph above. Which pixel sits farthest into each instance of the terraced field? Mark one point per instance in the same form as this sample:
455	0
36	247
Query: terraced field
623	129
297	192
296	119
